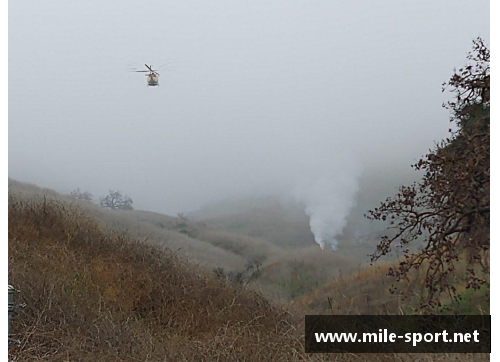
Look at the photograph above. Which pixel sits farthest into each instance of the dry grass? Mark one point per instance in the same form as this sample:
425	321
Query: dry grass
371	291
364	292
287	272
97	295
290	274
154	228
94	295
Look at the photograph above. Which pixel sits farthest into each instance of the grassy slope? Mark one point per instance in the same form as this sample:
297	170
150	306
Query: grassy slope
286	273
97	295
147	226
93	295
368	291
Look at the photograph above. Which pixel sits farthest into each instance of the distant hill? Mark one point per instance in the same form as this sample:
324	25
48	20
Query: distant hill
284	223
280	222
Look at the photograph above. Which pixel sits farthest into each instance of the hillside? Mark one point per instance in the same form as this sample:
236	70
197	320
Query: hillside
157	229
95	295
283	222
304	275
285	271
370	291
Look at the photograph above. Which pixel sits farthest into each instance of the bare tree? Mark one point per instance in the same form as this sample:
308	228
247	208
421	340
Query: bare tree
82	195
116	201
449	209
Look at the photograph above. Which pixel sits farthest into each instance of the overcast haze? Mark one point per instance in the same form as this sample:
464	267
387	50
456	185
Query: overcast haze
258	96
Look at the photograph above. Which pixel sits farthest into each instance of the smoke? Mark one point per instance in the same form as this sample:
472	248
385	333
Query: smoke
329	199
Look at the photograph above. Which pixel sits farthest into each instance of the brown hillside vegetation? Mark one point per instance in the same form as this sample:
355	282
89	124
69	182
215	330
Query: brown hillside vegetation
94	295
365	292
372	291
142	225
97	295
285	271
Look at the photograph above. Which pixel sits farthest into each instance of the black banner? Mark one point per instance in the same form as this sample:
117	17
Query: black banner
398	334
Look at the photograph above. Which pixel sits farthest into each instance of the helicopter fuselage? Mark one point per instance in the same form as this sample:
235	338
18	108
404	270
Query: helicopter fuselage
152	80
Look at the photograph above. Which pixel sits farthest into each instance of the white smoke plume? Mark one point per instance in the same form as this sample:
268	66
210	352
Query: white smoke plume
329	199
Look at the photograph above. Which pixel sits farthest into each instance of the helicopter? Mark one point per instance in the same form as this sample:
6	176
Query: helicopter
152	76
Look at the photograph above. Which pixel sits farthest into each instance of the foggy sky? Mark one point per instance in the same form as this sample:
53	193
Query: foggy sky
257	94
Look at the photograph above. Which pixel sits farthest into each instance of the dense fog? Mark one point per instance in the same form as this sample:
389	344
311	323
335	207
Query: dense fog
309	99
